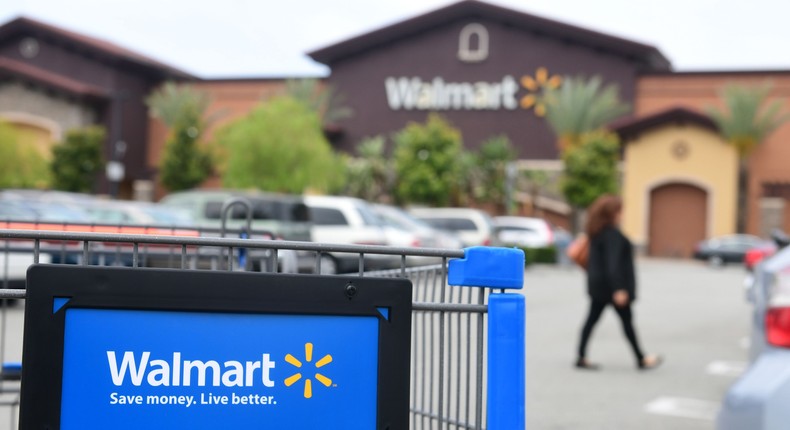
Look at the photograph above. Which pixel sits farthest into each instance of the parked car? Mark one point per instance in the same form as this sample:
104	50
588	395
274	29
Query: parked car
474	227
347	221
285	216
759	399
524	232
427	236
779	239
719	251
138	213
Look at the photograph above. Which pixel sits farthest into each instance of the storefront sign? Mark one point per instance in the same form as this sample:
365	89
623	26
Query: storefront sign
257	351
414	93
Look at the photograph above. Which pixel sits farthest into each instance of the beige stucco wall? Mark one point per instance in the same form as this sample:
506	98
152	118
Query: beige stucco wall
698	91
650	161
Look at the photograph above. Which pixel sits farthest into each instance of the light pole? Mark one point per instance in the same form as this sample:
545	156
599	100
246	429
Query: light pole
115	169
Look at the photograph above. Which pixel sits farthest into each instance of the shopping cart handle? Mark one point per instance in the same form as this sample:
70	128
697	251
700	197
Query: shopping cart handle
484	266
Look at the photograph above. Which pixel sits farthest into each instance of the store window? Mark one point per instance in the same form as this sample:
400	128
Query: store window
473	43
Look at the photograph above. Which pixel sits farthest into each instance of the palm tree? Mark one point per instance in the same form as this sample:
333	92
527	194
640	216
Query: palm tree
321	99
581	105
745	124
171	102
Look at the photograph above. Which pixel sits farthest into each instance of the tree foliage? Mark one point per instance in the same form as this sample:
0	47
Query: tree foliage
745	123
426	162
492	160
591	168
370	174
748	118
21	165
580	106
185	163
172	102
280	147
78	159
320	98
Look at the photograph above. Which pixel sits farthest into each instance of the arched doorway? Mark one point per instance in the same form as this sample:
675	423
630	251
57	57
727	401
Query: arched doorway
678	219
33	131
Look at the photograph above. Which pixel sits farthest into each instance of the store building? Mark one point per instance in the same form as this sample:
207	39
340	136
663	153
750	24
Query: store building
679	181
53	80
483	67
769	172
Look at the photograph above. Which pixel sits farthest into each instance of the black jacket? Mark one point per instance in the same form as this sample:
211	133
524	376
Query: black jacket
611	265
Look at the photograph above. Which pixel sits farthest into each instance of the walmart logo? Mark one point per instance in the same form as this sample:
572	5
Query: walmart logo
308	383
438	94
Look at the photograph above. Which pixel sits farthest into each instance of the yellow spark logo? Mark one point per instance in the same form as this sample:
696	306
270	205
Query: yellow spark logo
308	383
536	87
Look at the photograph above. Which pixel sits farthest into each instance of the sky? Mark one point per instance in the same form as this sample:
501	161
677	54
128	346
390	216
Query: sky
270	38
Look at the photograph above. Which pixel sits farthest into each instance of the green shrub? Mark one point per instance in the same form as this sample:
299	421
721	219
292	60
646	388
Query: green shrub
280	147
21	165
545	255
78	160
427	162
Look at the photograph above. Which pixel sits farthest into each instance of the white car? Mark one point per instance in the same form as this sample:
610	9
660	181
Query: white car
427	236
15	262
524	232
346	221
474	227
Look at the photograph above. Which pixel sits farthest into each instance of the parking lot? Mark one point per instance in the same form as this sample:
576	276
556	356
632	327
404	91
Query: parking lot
695	315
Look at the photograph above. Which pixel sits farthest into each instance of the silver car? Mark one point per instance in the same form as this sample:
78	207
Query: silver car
760	399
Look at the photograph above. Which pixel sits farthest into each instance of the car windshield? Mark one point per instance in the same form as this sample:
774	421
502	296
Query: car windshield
368	217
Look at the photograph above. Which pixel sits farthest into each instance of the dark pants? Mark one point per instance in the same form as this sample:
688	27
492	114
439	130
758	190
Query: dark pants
596	309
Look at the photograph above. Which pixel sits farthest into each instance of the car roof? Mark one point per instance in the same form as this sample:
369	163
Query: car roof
225	194
444	212
519	220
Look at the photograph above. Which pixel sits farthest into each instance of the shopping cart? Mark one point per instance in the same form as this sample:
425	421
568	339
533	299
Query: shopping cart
467	343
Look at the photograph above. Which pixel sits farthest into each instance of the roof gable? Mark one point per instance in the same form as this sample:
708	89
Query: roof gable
650	57
99	46
27	72
630	128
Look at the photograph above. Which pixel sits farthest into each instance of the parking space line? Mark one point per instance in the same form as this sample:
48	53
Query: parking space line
726	368
683	408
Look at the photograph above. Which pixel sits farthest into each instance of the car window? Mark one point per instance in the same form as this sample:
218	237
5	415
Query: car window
517	229
452	224
299	212
368	217
262	209
327	216
213	210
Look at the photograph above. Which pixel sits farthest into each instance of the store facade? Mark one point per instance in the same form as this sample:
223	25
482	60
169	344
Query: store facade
53	80
482	67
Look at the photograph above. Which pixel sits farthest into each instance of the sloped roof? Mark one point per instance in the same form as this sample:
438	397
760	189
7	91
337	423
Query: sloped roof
27	25
649	56
55	81
629	128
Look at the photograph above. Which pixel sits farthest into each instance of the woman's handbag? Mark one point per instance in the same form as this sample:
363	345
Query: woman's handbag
579	251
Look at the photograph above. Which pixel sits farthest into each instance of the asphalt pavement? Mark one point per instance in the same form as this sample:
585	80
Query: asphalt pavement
694	315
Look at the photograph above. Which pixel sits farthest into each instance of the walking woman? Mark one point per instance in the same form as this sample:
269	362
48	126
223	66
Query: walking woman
611	278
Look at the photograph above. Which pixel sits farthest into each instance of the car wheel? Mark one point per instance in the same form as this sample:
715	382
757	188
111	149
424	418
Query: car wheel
716	261
328	265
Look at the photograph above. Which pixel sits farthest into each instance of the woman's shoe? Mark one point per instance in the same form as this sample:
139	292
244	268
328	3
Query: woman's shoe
582	363
650	362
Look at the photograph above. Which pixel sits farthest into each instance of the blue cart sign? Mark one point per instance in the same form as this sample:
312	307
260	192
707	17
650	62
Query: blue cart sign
163	349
